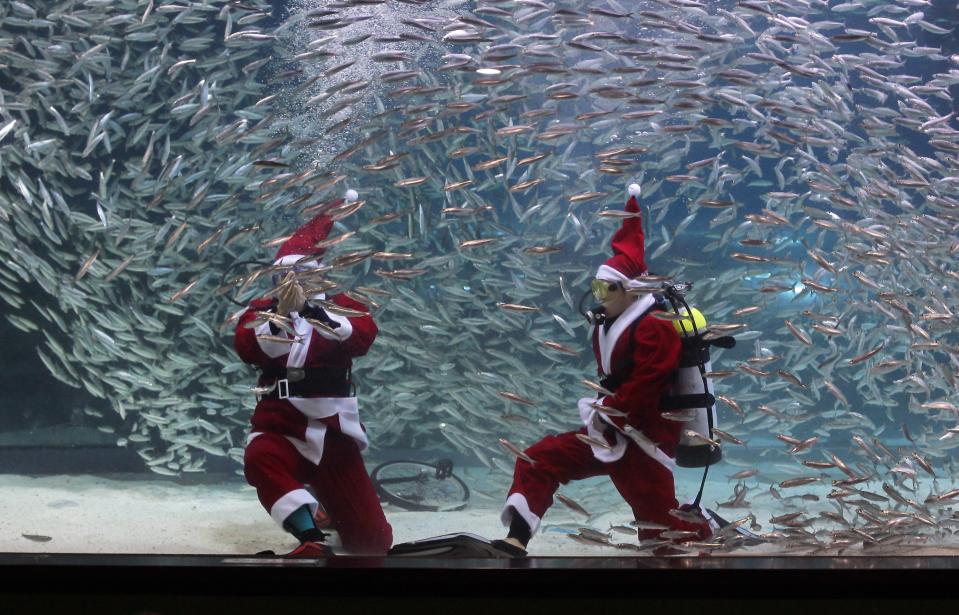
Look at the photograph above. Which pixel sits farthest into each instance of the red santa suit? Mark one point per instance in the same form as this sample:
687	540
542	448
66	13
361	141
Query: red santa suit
636	355
314	436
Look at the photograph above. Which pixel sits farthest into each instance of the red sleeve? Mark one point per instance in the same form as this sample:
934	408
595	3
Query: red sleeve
244	339
364	328
656	352
363	333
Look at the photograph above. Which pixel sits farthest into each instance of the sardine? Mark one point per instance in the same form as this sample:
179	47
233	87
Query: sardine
512	448
572	504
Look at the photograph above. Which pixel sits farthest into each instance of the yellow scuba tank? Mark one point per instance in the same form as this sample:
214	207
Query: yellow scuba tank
694	391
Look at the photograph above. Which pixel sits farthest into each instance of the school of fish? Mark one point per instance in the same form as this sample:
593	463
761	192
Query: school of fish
800	168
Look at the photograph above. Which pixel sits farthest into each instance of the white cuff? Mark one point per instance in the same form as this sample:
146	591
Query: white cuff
285	506
595	426
517	502
339	334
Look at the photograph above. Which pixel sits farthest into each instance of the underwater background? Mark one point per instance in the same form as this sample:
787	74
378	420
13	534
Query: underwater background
800	168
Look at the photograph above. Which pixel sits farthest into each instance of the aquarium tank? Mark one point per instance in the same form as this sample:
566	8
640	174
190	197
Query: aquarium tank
789	169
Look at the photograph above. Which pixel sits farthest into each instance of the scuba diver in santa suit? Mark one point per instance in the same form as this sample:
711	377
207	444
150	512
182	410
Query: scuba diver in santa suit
627	438
306	439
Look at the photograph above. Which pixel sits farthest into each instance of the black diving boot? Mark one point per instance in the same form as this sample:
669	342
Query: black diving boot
508	549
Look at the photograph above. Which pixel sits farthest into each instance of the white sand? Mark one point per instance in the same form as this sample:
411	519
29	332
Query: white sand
91	514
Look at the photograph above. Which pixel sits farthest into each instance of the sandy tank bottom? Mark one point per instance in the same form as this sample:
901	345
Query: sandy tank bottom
95	514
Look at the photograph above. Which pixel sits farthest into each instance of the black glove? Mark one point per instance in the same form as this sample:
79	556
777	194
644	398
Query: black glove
273	306
317	313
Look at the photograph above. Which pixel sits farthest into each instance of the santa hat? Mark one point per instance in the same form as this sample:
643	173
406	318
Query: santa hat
303	242
628	260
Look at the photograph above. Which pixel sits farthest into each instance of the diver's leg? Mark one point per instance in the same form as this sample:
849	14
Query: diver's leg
349	497
649	489
558	460
273	466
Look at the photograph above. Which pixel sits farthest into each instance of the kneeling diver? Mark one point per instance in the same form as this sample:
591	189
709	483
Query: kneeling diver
306	430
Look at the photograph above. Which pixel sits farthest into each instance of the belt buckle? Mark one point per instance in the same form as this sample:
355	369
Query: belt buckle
283	388
295	374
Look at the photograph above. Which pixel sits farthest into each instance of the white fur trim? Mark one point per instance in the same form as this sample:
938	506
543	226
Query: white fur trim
517	502
350	423
311	446
649	447
315	408
292	259
310	449
638	282
605	272
341	333
298	350
595	426
271	349
634	190
608	339
351	195
324	407
286	505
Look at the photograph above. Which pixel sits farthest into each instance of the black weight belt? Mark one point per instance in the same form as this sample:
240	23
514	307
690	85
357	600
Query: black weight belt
309	382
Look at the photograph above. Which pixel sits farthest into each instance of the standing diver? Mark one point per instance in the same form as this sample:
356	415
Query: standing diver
625	436
647	365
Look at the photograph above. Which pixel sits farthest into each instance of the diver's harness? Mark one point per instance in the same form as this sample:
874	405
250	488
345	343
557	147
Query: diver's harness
694	353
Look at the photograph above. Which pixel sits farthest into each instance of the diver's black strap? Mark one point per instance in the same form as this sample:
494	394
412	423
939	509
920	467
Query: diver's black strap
702	485
681	402
624	367
317	313
694	351
307	311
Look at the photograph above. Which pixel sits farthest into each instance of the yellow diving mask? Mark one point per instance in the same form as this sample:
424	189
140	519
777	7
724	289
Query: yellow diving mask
602	288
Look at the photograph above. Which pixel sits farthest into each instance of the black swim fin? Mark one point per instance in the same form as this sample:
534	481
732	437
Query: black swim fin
750	539
459	546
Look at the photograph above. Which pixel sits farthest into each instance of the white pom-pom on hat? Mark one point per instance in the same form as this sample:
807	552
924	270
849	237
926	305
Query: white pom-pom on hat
351	195
635	190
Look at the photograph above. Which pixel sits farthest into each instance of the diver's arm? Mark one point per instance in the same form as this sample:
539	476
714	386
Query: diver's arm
656	351
248	346
352	335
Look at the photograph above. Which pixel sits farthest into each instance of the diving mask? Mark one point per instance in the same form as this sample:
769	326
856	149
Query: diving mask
602	288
